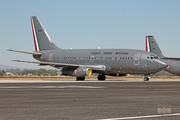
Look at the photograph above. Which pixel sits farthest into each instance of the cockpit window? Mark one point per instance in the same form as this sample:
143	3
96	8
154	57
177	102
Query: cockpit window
152	57
156	57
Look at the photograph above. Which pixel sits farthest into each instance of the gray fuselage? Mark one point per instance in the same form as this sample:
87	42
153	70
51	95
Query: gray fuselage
122	61
173	66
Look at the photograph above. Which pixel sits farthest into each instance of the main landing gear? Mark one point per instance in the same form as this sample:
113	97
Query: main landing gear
101	77
80	78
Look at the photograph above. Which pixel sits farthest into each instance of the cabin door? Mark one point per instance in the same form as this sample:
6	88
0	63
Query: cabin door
136	58
92	59
50	57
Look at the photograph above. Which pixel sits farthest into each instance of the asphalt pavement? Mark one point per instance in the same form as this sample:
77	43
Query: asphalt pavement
90	100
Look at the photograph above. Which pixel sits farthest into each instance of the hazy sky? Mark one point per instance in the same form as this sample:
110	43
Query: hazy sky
87	24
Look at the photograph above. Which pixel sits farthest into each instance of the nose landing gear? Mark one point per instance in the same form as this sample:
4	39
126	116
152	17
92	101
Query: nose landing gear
146	77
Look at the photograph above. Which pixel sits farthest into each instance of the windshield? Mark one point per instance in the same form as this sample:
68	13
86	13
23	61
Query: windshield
152	57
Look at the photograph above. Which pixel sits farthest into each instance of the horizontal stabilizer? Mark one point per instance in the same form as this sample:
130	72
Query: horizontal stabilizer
25	52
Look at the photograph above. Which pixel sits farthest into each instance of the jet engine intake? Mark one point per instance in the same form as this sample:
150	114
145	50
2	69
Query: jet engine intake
79	72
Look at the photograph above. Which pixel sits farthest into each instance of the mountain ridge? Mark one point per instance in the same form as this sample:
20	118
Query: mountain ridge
5	67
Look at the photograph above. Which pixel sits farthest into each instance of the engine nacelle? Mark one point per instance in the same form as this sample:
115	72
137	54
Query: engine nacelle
79	72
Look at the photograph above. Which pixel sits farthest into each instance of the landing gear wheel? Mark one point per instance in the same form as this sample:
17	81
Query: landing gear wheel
80	78
146	79
101	77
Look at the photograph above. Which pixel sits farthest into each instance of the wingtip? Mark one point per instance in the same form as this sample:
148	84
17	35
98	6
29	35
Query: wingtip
15	60
9	50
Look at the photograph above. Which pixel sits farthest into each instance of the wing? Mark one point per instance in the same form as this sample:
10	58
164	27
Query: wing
58	65
169	58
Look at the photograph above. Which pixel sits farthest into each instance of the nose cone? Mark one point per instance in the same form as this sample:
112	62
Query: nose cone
161	65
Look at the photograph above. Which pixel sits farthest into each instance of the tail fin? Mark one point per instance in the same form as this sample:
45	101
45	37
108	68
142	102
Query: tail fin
152	46
42	40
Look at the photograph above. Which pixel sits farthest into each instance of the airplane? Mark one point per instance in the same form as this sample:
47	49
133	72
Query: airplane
84	62
173	63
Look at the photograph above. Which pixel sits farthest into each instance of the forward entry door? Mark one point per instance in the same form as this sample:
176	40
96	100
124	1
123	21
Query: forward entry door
136	58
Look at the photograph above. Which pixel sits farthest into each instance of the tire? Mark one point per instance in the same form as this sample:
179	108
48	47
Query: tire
80	78
101	77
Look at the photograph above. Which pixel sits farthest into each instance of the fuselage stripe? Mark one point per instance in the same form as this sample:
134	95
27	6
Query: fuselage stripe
147	45
34	36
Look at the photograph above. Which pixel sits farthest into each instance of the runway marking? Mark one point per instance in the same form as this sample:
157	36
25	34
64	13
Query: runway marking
139	117
42	87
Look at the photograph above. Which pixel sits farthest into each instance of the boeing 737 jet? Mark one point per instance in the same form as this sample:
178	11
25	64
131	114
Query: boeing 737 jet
173	63
84	62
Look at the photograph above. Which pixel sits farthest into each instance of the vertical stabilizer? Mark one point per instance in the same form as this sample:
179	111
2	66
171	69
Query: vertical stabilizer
42	40
152	46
